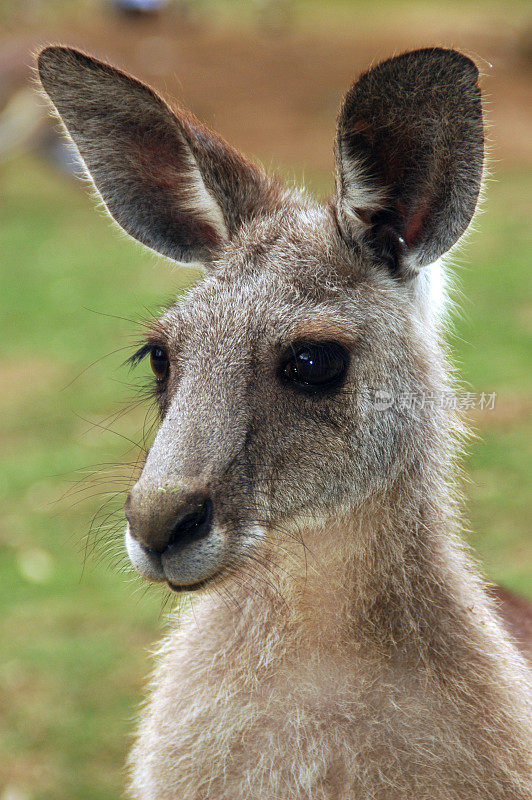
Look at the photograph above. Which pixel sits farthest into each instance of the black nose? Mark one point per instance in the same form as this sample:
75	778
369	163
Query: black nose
165	518
193	526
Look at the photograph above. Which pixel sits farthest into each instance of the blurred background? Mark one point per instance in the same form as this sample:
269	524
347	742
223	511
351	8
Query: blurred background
75	625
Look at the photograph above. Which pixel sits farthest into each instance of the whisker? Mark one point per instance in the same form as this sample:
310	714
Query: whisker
109	430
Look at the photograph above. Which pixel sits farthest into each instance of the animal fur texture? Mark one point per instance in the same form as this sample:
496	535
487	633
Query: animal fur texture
342	645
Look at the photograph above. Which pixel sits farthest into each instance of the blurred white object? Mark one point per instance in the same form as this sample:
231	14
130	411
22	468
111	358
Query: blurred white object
21	120
139	6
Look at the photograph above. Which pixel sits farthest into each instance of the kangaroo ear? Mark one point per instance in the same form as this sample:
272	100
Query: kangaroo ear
409	156
164	177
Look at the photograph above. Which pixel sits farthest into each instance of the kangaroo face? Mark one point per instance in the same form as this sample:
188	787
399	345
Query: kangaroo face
265	375
268	371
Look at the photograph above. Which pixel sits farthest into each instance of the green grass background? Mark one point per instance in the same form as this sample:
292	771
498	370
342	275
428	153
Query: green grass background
74	640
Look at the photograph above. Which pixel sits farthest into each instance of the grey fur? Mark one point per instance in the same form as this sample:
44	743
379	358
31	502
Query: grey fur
344	647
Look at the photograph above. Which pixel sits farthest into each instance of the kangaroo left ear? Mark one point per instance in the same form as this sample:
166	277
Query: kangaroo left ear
169	182
409	157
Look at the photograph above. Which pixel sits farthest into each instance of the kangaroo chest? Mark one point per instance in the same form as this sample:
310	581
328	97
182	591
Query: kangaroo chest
278	725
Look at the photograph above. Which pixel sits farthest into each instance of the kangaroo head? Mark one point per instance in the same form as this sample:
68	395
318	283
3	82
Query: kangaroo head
267	371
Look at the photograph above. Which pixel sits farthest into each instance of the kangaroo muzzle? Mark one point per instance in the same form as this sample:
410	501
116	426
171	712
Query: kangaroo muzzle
171	534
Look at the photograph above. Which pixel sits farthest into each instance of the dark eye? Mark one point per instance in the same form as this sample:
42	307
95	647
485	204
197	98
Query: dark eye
159	363
315	366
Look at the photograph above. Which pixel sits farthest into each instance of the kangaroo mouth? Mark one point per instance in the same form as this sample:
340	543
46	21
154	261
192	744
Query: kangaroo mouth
191	587
184	568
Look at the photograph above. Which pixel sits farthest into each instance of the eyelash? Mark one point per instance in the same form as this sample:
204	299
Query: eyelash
157	386
140	355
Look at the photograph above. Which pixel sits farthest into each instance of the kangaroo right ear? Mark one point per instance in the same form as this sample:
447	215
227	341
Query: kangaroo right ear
164	177
409	157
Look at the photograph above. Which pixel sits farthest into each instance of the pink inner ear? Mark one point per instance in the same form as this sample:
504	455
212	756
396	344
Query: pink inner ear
160	161
415	223
361	126
164	164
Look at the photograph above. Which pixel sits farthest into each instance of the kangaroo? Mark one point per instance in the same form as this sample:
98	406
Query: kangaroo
341	644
